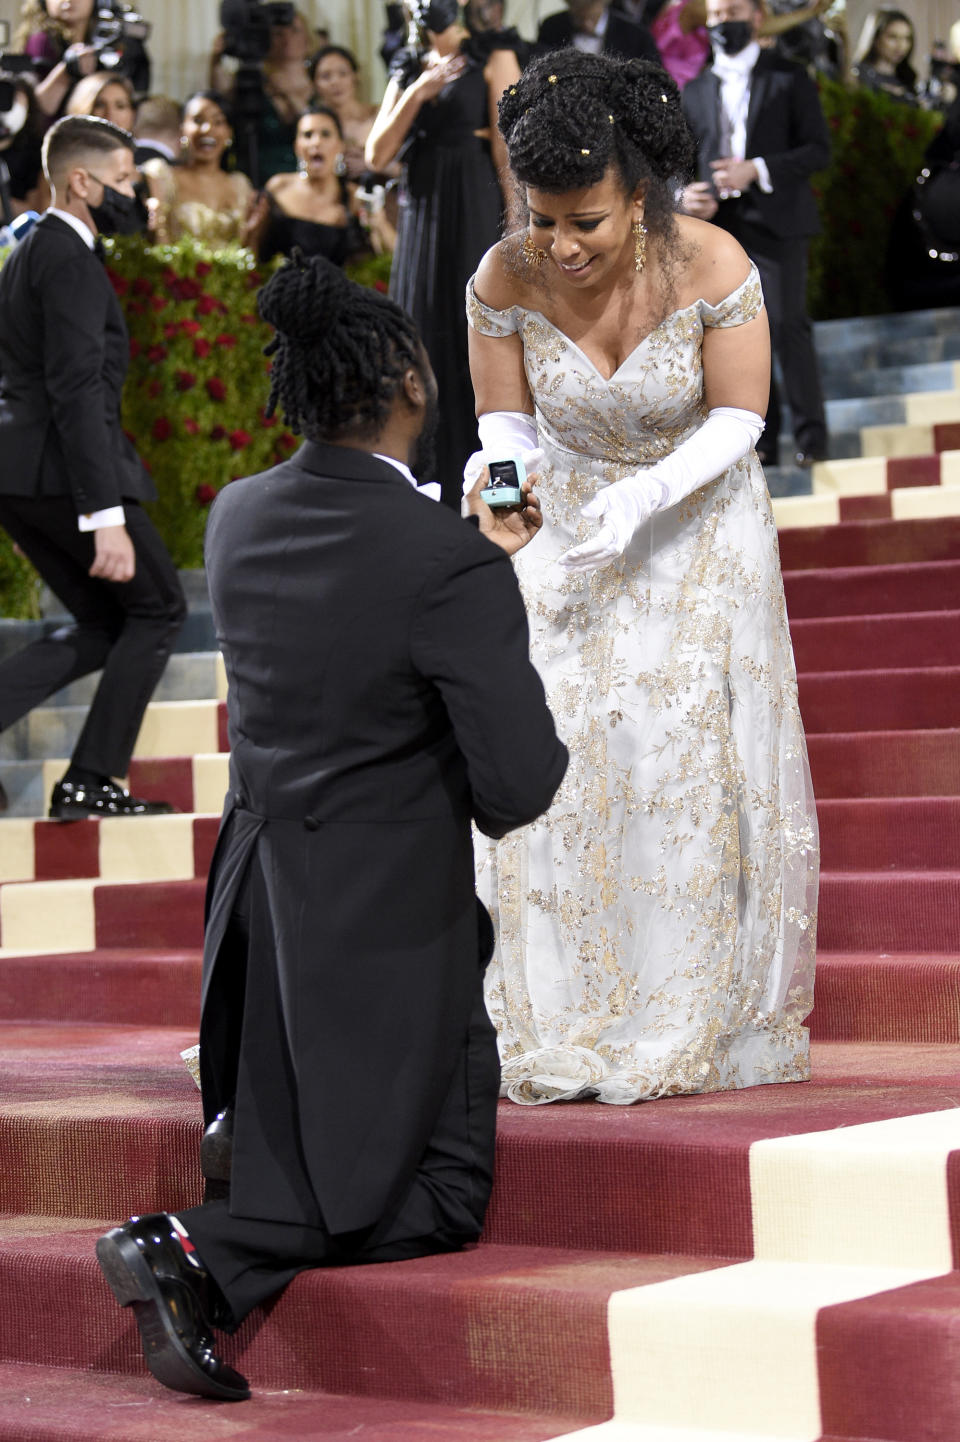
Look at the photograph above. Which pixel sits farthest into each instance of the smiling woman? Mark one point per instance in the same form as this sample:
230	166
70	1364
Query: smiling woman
656	927
199	197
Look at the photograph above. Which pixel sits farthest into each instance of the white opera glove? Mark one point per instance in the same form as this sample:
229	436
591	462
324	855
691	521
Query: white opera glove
726	436
503	436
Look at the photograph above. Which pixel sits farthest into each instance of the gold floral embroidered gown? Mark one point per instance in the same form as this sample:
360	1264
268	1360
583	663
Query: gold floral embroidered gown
656	929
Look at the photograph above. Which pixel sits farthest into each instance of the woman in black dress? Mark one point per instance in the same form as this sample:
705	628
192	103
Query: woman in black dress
439	115
313	207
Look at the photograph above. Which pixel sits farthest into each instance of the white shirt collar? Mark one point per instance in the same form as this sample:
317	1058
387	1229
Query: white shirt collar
431	489
165	150
80	226
741	64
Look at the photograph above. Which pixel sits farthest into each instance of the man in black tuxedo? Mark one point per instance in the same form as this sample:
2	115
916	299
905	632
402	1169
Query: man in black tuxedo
71	484
761	135
381	698
156	130
592	25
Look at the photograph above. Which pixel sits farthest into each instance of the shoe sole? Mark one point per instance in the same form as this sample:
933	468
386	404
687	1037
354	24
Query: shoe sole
132	1283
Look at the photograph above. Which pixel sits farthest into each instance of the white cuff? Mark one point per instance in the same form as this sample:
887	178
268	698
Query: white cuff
96	520
763	174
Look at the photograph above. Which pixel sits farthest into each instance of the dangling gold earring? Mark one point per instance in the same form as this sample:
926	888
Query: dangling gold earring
639	245
532	254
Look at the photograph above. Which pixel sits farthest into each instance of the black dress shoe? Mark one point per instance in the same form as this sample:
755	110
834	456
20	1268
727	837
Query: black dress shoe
176	1303
72	801
216	1147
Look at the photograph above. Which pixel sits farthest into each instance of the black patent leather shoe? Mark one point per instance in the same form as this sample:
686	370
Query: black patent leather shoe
216	1147
176	1304
74	801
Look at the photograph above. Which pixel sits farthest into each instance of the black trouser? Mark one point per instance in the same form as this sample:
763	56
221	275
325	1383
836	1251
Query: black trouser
127	628
443	1208
782	263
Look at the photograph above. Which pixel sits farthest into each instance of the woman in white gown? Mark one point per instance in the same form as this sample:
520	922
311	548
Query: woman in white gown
657	927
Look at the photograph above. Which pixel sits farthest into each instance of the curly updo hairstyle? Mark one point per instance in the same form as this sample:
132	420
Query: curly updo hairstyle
340	351
572	114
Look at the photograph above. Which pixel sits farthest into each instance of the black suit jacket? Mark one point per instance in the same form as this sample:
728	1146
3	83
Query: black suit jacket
785	127
622	36
381	698
64	351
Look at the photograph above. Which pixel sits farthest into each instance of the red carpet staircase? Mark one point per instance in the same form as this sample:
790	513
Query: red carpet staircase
776	1263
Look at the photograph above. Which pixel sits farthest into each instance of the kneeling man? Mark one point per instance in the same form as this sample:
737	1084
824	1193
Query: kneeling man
380	699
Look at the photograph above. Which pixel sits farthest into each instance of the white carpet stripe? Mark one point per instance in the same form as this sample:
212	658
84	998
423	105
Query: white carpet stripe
730	1355
865	1195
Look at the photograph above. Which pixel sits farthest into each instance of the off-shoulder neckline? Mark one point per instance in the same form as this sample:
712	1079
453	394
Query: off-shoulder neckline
608	380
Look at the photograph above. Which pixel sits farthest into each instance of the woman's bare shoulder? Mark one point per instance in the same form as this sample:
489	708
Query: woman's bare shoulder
500	282
717	263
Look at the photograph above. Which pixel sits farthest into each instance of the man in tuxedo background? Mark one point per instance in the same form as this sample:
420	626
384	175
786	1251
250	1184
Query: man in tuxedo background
761	135
156	130
71	485
380	698
594	26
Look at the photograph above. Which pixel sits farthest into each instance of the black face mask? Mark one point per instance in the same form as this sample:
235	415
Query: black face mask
436	15
731	36
118	214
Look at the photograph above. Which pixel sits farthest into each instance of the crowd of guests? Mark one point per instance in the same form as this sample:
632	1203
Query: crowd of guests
299	158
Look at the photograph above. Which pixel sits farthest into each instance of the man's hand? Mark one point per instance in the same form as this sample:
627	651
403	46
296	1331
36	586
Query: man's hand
733	177
115	559
510	530
699	200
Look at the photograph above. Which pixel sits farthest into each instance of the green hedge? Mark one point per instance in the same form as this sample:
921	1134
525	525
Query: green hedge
198	379
878	148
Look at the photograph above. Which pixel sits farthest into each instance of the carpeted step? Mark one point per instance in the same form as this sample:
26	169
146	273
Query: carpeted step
196	783
862	643
924	698
889	910
870	543
885	763
169	728
69	916
494	1327
867	590
879	833
135	848
123	986
871	997
189	676
857	381
57	1404
117	1109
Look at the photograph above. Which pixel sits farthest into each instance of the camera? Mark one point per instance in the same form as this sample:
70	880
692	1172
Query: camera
10	67
505	489
247	24
116	26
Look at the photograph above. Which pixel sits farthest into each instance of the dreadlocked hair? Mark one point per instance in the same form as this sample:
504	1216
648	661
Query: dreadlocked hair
339	353
571	115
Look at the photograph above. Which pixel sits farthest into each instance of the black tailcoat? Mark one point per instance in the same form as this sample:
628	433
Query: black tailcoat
380	698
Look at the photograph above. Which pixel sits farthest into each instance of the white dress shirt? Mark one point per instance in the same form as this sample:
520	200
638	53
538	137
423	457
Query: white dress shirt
431	489
591	41
735	73
112	515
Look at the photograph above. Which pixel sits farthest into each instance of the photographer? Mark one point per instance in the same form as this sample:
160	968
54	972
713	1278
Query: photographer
69	39
272	86
21	134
